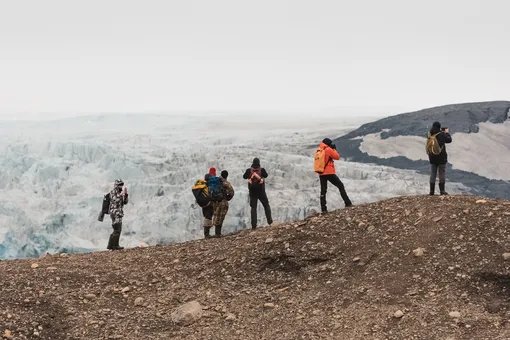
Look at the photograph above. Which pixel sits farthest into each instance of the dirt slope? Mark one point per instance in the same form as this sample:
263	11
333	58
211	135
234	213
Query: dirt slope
350	274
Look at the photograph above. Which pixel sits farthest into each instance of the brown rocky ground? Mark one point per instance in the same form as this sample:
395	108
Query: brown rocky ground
405	268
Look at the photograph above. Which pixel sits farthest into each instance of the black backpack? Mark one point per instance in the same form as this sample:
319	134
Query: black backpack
105	209
106	204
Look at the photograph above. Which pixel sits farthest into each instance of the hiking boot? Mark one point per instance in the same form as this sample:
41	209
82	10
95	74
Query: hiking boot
110	243
432	189
207	232
348	204
441	189
217	231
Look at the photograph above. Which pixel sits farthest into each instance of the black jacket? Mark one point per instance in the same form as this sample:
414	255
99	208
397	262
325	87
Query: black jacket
442	139
258	188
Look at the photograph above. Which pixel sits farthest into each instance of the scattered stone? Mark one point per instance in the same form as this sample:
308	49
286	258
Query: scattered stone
230	317
481	201
64	255
494	307
506	256
34	265
90	296
7	334
454	314
418	252
398	314
371	228
125	290
52	268
437	219
465	211
269	240
356	259
269	305
139	301
187	313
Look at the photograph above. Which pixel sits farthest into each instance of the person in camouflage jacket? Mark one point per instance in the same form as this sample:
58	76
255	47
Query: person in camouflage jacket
221	207
118	198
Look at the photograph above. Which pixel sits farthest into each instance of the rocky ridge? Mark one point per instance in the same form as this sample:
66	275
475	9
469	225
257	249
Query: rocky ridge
464	117
405	268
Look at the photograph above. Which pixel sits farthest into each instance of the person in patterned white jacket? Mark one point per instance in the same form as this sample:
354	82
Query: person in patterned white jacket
118	198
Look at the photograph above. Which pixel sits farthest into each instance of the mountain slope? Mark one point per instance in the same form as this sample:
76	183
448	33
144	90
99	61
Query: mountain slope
350	274
478	155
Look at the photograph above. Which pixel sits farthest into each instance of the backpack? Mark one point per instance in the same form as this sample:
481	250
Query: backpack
201	192
106	204
105	209
319	160
255	178
229	190
432	146
215	188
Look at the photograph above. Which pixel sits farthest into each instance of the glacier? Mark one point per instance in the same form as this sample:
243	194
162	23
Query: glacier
55	173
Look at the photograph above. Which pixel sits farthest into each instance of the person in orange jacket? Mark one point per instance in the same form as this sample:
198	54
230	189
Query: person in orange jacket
329	174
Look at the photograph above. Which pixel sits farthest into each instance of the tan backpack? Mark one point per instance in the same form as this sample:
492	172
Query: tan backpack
432	145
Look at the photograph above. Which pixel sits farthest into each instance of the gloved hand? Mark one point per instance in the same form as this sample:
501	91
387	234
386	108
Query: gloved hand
333	146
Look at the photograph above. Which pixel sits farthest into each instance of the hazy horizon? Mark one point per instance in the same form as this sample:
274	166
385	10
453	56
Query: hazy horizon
61	58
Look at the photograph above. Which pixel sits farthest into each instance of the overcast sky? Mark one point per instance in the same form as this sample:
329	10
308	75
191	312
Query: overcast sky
382	57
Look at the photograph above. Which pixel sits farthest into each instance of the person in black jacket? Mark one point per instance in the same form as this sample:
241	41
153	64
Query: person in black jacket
438	162
257	190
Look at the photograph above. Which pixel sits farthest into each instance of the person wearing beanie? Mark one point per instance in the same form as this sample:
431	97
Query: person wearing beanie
328	150
256	176
220	207
438	162
118	198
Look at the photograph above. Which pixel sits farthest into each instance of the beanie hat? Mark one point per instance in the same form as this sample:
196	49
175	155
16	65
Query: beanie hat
327	141
256	162
212	171
437	125
224	174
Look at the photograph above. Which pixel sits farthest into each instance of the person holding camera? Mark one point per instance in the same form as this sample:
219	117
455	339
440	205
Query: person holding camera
329	174
436	148
118	198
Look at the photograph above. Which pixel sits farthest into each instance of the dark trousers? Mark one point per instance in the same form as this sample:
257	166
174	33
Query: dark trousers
262	197
117	229
324	188
433	173
113	242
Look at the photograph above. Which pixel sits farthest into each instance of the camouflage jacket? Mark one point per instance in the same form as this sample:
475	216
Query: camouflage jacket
228	190
117	201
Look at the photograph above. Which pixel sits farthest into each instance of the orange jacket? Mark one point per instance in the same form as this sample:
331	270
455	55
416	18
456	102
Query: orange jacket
331	154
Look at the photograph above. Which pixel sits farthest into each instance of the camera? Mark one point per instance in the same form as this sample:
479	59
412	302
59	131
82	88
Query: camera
333	146
444	129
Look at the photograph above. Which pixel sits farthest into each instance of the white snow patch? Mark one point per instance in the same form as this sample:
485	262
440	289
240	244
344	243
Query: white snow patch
412	147
485	153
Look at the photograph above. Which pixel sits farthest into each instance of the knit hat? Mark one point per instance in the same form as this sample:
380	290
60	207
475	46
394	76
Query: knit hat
327	141
256	162
436	125
212	171
224	174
